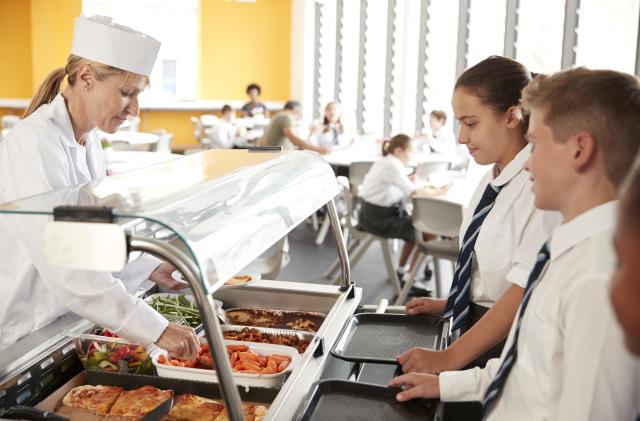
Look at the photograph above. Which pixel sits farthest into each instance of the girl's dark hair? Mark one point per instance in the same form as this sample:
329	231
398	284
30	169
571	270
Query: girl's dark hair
226	108
630	202
398	141
255	86
497	81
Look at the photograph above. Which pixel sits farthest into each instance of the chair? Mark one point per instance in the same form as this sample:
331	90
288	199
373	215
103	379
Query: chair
442	218
9	120
361	240
198	128
163	145
425	169
270	263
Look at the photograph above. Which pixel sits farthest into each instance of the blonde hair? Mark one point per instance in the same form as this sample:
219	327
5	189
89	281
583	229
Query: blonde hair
603	103
51	85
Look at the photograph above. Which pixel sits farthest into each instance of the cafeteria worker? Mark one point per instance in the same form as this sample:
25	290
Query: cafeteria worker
56	146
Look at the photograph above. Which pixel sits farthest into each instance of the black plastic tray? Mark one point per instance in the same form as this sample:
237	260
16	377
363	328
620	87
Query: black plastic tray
380	338
344	400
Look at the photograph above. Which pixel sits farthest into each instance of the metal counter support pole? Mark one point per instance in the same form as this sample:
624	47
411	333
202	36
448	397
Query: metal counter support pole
342	250
207	309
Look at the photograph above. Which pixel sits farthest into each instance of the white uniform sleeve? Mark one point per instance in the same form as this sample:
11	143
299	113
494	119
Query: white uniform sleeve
536	227
467	385
137	271
96	296
401	180
599	377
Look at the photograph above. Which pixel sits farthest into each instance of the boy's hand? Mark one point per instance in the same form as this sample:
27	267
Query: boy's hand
422	360
416	385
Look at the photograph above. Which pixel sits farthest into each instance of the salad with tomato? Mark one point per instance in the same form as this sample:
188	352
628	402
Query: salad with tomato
115	356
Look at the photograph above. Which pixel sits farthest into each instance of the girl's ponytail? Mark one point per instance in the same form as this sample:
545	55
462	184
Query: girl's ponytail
385	147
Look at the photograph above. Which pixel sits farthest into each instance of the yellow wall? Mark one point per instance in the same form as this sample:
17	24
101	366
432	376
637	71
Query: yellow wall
242	43
15	47
51	35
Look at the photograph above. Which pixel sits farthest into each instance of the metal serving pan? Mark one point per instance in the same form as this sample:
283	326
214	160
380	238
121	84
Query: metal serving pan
345	400
298	314
380	338
301	335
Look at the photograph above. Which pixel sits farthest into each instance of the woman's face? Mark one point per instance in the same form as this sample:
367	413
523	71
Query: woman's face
482	131
625	286
332	113
111	102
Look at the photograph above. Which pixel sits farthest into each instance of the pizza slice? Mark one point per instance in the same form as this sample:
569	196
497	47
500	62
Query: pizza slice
138	402
189	407
252	412
97	399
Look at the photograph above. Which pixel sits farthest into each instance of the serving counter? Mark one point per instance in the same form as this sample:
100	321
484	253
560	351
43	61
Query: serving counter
209	214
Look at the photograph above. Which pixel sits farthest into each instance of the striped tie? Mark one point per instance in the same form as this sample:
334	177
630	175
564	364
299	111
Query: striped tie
458	301
510	357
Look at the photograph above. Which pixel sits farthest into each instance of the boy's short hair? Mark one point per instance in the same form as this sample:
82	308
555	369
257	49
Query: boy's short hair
631	193
291	105
226	108
253	86
604	103
440	115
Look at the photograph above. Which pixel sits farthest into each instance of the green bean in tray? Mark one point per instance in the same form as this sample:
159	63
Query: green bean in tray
177	309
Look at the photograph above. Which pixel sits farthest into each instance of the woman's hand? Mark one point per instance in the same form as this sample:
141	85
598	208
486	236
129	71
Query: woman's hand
416	385
422	360
425	305
162	276
180	341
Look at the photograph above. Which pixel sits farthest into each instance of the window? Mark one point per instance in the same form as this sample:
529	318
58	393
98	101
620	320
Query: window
175	25
486	29
607	34
540	28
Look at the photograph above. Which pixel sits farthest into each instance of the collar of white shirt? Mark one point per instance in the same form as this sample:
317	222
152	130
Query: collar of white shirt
601	218
62	119
513	168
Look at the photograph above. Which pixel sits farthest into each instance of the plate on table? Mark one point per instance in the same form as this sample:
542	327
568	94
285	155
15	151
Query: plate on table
242	279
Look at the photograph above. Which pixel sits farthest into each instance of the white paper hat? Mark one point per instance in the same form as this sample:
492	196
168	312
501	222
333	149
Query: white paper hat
99	39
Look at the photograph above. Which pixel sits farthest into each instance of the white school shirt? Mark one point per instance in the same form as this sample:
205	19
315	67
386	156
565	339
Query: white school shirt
223	135
572	363
386	183
444	141
510	236
40	155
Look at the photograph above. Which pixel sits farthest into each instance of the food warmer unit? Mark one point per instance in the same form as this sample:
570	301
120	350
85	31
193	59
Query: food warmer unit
209	214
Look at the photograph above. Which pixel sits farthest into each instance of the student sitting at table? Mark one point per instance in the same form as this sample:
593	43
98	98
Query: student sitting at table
330	132
564	358
441	139
500	234
280	131
254	107
382	193
224	134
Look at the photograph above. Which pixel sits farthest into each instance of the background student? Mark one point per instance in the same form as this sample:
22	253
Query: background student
280	131
330	132
565	357
382	193
254	107
441	139
224	134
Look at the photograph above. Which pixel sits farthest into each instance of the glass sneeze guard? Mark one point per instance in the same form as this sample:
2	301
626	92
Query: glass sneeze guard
226	207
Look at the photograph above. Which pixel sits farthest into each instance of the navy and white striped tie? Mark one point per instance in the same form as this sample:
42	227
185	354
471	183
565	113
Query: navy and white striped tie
510	357
458	301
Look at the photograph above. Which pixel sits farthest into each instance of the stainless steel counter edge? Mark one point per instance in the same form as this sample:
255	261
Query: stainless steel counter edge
309	369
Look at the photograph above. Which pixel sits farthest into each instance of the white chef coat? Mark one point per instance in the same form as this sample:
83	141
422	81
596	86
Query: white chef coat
510	236
386	183
572	363
40	155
